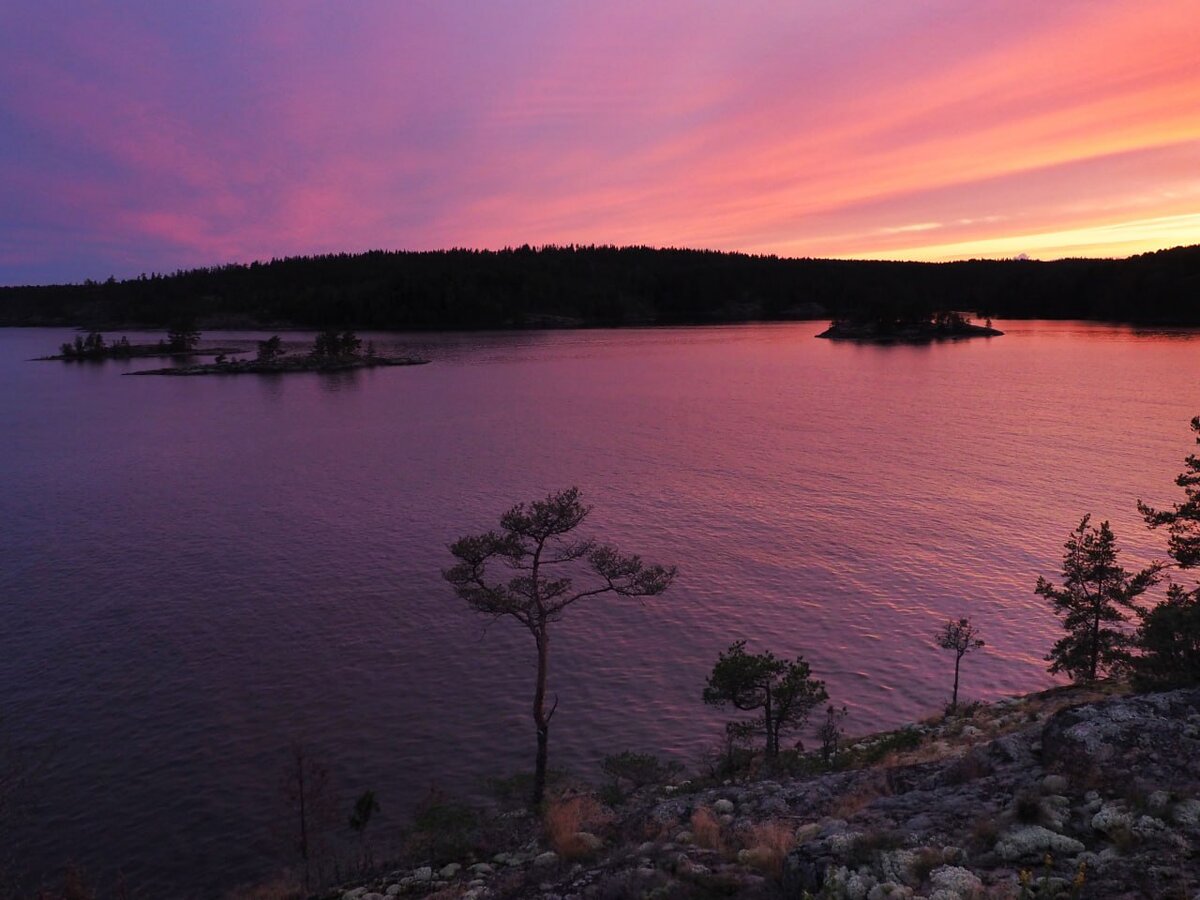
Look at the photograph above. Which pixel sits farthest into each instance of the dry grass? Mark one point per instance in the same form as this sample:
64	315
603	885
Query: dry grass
706	830
862	795
767	846
567	816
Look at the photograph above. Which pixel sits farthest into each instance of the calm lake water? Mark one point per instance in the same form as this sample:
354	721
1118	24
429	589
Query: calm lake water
196	572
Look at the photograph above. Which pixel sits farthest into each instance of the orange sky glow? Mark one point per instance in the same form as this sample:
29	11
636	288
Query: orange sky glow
153	137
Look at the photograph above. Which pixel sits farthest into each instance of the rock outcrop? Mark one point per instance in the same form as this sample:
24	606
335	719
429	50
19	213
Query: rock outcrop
1047	796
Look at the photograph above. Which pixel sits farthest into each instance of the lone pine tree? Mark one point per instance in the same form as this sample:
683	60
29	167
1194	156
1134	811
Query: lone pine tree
537	548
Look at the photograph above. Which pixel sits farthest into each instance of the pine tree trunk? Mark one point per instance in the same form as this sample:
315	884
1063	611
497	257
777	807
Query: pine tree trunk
540	719
772	735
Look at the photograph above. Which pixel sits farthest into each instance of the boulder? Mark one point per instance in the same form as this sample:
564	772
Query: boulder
957	880
1033	842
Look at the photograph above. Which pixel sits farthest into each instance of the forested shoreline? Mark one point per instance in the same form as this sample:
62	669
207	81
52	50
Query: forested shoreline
576	286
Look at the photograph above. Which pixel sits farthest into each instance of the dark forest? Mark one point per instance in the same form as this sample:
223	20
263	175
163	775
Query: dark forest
609	286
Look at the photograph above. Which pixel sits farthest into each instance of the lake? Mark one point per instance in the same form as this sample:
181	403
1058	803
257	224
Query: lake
196	572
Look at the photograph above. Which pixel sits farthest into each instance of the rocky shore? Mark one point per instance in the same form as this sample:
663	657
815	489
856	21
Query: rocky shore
1074	792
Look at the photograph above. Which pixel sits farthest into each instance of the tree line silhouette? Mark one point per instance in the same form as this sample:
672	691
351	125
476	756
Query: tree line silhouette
603	285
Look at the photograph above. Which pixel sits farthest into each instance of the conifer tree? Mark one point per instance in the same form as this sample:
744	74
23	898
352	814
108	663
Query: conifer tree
1095	600
784	691
1169	636
538	547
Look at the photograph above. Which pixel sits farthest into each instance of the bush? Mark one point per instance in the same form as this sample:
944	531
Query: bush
706	830
638	769
767	846
443	829
566	817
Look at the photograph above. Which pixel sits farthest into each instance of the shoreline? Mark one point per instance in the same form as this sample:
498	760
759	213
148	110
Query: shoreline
1028	792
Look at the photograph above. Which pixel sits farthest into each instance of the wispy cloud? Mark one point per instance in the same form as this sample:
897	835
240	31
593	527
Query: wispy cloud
164	135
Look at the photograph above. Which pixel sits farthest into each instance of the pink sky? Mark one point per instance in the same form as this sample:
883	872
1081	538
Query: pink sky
150	136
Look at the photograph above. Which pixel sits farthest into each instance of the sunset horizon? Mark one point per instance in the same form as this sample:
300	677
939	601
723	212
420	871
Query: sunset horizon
151	139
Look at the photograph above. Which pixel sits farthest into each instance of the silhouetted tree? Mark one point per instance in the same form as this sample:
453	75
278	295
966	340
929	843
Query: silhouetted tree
1169	640
308	793
1182	520
783	690
831	732
183	336
364	811
1093	602
537	547
269	349
962	637
1169	634
333	344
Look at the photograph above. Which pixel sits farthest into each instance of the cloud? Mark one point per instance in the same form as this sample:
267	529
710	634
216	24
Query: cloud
161	135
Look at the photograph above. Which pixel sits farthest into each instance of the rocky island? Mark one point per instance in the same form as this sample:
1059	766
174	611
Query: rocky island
332	351
940	326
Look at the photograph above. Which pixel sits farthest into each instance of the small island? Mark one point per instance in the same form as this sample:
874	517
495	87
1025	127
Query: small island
180	341
939	326
332	351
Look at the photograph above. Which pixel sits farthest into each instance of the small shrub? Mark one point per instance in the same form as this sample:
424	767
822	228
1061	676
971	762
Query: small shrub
1027	807
512	792
863	794
926	861
706	830
638	769
984	833
885	745
443	829
566	817
831	733
768	845
869	845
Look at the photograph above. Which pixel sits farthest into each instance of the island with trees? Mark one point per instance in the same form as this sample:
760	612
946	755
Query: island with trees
182	340
331	351
900	327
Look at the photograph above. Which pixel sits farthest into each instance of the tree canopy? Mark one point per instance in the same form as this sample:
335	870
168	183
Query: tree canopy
784	691
603	285
1094	601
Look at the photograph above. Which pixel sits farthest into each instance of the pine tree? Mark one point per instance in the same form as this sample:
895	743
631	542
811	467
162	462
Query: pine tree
537	545
1094	601
1169	635
784	691
962	637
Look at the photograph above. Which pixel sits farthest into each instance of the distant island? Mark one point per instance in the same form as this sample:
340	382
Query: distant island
284	364
577	286
942	326
332	351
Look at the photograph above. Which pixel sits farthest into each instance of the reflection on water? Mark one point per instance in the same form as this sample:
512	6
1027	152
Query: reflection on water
195	571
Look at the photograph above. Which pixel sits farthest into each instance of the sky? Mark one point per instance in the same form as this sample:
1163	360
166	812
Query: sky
149	136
